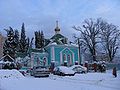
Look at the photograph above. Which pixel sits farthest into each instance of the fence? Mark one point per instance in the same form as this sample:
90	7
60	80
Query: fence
111	65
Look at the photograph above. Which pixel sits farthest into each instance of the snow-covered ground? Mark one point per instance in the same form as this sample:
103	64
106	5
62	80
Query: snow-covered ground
13	80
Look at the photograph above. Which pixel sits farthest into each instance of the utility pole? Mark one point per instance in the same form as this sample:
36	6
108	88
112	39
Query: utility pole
79	49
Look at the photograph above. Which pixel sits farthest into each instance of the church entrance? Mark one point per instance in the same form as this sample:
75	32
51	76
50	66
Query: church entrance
67	57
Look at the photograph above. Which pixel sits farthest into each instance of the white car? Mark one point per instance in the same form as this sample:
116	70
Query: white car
78	69
63	71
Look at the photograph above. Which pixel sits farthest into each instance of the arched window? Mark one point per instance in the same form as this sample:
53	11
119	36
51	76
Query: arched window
44	61
64	57
38	61
69	60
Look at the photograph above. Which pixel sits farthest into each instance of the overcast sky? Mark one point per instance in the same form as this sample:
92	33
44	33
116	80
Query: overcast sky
42	14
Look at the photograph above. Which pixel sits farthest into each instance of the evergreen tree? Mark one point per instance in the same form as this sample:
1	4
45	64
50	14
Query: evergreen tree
23	44
36	39
10	45
27	44
42	39
39	39
16	40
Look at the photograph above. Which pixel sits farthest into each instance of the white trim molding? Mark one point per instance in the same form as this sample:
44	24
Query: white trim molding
61	58
78	57
52	53
32	60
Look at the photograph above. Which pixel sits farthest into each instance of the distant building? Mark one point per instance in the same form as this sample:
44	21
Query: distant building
2	39
58	50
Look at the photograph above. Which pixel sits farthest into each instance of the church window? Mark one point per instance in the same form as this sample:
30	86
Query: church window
38	61
69	59
64	57
44	61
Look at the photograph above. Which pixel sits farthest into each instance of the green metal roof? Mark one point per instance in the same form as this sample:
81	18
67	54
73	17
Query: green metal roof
36	50
59	39
22	55
56	36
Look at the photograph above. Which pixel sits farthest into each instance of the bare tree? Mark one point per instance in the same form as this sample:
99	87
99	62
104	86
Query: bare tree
89	35
109	39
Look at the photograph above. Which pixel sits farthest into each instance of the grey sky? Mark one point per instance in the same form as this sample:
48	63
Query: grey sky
42	14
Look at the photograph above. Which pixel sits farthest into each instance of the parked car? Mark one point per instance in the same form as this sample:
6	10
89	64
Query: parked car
40	71
63	71
78	69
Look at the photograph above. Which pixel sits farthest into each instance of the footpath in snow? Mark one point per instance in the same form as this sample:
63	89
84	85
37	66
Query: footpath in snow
13	80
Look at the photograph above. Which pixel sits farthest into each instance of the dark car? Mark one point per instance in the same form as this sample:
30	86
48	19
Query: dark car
63	71
40	71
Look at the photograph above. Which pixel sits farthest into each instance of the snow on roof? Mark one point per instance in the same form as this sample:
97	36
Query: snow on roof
18	58
74	45
86	61
10	74
53	61
52	43
66	61
7	62
1	61
76	61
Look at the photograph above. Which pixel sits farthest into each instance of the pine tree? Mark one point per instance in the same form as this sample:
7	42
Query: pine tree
23	44
39	39
27	44
16	40
9	47
36	39
42	39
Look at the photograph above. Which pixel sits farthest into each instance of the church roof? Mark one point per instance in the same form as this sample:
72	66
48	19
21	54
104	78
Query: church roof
56	36
22	55
37	50
59	39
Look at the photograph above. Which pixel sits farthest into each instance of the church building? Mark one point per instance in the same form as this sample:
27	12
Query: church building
59	50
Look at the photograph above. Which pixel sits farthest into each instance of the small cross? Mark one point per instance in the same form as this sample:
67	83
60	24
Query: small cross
57	23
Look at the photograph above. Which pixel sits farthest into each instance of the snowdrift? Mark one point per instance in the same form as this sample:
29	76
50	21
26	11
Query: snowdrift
10	74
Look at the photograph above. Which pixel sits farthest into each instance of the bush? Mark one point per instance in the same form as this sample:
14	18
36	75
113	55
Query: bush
9	66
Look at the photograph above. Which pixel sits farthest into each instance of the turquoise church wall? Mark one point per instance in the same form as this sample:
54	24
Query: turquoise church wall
38	58
63	49
49	54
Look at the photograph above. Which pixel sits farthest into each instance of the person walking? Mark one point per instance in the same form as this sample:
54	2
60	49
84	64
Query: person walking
114	72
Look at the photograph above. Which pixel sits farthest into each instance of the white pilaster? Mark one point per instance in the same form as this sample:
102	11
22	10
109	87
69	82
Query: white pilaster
32	59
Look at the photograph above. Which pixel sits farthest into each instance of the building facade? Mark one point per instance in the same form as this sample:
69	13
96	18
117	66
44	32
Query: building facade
62	53
58	50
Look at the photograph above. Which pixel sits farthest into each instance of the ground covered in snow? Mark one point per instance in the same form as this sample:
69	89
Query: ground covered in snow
13	80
